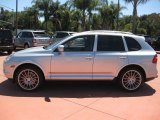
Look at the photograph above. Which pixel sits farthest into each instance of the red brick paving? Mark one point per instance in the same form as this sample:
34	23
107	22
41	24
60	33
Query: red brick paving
62	101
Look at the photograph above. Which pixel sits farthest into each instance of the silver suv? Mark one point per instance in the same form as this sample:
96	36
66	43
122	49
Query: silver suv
61	34
91	55
31	38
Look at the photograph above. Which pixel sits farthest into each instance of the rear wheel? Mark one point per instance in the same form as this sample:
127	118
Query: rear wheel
26	46
131	79
29	78
9	51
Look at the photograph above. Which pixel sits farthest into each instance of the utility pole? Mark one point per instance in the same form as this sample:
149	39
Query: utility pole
118	15
16	16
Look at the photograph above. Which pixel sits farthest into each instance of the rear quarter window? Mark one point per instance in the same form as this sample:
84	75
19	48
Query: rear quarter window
132	44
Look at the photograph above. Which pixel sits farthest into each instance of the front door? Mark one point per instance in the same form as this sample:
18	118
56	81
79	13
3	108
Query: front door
76	62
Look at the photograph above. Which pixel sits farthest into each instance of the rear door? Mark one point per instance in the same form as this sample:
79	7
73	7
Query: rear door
109	57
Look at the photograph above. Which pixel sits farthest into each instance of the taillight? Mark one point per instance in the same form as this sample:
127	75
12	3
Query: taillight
155	59
34	41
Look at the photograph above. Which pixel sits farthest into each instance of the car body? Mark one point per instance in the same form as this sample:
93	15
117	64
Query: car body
156	43
147	38
6	41
90	55
61	34
31	38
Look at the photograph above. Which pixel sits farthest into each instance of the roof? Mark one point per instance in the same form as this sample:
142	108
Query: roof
66	32
28	30
109	31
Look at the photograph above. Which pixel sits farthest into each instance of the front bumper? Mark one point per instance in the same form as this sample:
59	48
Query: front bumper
8	69
9	47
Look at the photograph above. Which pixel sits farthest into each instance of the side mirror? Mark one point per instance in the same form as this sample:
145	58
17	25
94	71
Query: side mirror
61	48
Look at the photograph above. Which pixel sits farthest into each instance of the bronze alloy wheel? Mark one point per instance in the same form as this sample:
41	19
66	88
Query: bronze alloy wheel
131	79
29	78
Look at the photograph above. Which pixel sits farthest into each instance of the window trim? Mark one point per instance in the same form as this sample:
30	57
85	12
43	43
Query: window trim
110	35
127	45
73	37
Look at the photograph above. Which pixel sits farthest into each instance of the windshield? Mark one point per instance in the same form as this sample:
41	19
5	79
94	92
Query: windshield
40	34
50	46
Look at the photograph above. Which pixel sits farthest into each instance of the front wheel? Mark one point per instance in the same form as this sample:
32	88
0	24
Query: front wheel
29	78
26	46
131	79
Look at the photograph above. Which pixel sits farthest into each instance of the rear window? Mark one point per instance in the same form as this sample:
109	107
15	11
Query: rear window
132	44
40	34
61	35
5	34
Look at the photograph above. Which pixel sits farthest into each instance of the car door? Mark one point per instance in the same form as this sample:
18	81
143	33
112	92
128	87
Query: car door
76	62
109	57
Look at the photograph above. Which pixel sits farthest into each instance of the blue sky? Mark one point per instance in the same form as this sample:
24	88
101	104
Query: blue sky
153	6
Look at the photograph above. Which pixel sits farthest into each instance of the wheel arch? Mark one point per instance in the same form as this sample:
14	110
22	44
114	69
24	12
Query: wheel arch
27	64
27	43
133	66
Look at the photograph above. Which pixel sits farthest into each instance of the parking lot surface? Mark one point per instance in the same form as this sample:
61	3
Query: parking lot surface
79	101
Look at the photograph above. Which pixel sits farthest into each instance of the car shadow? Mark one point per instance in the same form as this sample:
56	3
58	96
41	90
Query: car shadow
74	89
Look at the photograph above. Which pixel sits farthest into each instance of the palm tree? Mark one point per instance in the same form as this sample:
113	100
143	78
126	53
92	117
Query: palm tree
92	7
83	5
33	12
135	3
44	5
109	15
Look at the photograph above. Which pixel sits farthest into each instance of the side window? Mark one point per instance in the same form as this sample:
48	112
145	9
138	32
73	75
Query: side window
29	35
110	43
80	43
61	35
24	34
132	44
19	35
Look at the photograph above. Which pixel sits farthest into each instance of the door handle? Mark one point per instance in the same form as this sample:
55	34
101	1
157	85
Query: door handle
123	57
89	58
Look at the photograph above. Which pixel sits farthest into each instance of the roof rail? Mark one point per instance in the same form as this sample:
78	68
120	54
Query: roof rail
110	31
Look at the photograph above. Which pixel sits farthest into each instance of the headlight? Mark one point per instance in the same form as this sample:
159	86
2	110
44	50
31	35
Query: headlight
8	58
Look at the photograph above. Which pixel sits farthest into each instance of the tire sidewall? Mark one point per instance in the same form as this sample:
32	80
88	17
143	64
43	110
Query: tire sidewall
36	70
120	78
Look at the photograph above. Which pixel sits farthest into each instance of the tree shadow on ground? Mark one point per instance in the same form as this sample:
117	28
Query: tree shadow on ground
74	89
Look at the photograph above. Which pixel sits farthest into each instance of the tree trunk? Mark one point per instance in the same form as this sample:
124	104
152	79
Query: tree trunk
83	21
117	27
134	24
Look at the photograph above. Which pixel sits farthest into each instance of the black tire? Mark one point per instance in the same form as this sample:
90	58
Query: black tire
29	78
9	51
131	79
14	48
26	46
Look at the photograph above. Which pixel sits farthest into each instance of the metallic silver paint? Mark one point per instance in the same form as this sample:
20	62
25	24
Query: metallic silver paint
83	65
